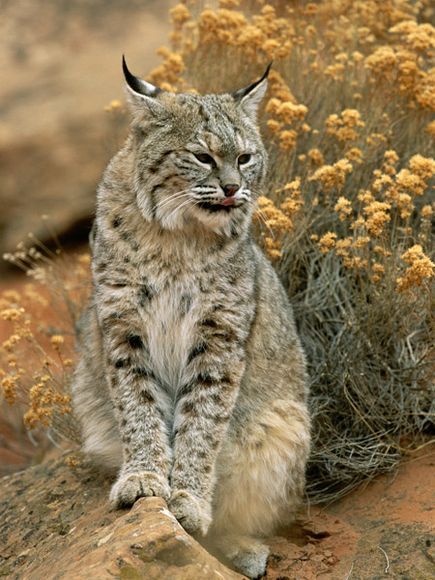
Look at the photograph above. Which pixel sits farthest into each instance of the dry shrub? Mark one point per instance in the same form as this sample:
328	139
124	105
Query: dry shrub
345	215
37	358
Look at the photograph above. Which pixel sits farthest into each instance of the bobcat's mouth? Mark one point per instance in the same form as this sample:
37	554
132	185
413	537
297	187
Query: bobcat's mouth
225	205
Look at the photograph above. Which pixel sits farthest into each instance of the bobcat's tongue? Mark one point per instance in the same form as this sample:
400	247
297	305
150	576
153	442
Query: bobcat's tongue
228	201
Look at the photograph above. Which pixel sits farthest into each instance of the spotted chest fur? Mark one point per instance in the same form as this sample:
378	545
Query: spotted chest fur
171	319
172	336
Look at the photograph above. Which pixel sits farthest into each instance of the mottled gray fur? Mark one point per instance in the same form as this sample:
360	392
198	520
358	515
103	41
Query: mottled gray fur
192	381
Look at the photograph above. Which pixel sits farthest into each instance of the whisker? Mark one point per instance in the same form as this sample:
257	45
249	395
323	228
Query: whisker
165	204
178	208
176	195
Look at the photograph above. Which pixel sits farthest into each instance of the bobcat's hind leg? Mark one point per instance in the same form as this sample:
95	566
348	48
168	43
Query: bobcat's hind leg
94	410
260	483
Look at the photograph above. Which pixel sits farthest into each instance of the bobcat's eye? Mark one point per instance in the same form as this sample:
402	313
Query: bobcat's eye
243	159
204	158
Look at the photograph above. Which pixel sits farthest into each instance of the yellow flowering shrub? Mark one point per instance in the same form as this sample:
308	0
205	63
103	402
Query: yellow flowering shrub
35	363
346	211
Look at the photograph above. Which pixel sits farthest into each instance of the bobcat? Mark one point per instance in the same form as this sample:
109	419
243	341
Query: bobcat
192	379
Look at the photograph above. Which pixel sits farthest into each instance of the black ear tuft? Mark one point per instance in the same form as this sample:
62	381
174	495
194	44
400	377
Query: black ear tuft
137	85
241	93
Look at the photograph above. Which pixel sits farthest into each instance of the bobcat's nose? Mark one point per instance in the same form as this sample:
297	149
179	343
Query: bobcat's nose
230	189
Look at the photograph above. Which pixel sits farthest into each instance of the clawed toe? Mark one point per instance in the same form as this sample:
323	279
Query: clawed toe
193	513
130	487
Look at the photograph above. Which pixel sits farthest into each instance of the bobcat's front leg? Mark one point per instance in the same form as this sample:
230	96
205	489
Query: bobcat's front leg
146	454
145	443
202	414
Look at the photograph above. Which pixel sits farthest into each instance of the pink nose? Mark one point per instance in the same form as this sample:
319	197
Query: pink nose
230	189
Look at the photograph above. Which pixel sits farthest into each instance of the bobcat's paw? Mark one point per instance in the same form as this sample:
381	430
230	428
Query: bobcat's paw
193	513
248	555
130	487
252	561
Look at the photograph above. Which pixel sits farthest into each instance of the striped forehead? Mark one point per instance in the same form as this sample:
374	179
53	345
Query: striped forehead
222	143
219	131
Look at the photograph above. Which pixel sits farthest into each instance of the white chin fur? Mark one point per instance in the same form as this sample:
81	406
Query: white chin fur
217	222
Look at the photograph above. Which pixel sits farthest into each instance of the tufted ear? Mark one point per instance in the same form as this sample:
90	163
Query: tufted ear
250	97
141	93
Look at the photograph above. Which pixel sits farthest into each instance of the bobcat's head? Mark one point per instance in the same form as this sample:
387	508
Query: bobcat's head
197	157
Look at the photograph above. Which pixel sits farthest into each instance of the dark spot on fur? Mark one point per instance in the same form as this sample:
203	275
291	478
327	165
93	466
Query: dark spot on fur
234	231
196	350
144	294
221	243
206	379
216	398
112	317
189	408
139	132
126	438
125	236
156	187
185	390
211	441
143	372
116	222
121	363
221	419
181	430
100	267
185	304
209	322
118	284
227	334
146	397
110	320
134	341
126	259
206	468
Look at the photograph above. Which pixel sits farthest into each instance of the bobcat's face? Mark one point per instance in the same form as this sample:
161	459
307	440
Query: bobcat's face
198	158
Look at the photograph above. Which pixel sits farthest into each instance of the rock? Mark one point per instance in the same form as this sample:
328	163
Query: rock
56	523
62	62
